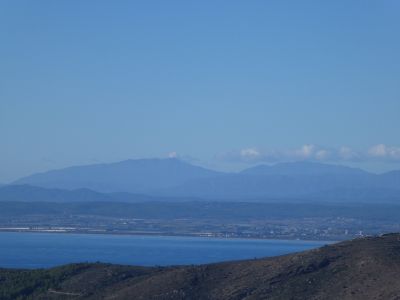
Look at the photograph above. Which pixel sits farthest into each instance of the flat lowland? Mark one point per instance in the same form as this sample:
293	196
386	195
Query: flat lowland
365	268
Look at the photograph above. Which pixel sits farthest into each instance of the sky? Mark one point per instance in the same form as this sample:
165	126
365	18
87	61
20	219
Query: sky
223	84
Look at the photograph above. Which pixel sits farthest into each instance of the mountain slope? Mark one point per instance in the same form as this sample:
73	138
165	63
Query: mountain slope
28	193
303	168
248	187
136	176
365	269
297	180
175	178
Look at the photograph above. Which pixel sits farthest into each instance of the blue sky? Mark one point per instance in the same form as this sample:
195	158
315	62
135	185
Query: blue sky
221	83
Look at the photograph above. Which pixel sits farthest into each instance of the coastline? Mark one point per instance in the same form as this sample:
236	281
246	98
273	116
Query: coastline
161	234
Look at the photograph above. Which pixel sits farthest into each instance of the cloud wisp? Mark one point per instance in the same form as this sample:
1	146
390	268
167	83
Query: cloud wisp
311	152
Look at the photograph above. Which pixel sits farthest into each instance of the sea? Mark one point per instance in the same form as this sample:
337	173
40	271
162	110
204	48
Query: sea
43	250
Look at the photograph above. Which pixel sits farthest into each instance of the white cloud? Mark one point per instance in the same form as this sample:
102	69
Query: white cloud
322	154
381	151
346	153
313	153
378	150
249	153
172	154
306	151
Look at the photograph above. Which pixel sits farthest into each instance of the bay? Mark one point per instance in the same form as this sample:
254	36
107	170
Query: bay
42	250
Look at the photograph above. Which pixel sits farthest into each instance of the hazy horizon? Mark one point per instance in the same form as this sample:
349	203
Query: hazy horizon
199	149
196	163
222	85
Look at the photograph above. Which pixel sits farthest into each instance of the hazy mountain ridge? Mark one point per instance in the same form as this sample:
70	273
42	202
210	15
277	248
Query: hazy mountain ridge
28	193
365	269
246	187
175	178
303	168
135	176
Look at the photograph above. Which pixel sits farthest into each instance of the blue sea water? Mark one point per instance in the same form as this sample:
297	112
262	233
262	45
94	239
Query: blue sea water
40	250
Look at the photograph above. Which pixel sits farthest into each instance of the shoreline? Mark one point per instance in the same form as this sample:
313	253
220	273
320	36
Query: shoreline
161	234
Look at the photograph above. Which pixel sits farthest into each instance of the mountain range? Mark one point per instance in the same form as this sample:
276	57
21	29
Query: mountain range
135	176
28	193
176	178
365	268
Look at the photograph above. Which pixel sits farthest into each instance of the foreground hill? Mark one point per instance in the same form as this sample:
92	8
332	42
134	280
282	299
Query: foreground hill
365	268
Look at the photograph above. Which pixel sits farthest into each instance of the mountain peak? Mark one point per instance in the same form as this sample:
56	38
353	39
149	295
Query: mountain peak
133	175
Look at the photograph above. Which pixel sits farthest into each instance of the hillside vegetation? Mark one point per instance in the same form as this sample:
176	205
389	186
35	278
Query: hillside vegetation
365	268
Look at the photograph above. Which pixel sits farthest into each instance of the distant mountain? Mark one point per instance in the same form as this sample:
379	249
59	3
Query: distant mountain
296	181
175	178
136	176
303	168
390	179
27	193
366	268
246	187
